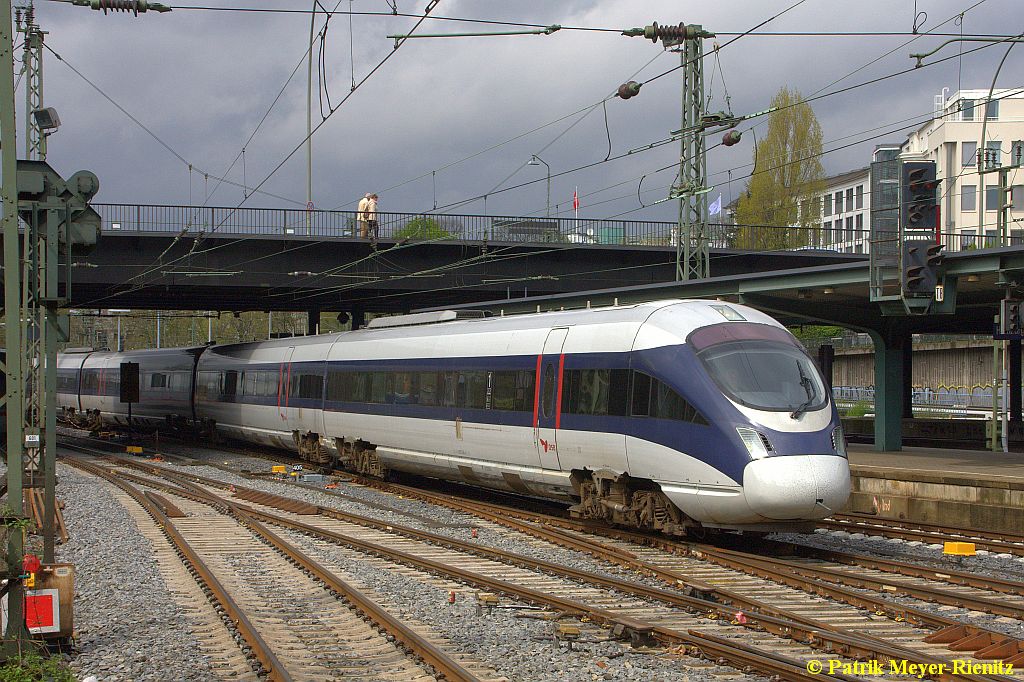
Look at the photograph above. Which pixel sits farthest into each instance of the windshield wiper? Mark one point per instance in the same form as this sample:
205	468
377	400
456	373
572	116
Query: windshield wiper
805	381
802	408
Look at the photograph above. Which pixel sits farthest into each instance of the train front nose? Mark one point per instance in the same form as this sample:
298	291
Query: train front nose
797	486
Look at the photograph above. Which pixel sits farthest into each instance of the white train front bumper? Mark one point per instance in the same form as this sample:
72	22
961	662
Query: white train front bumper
797	486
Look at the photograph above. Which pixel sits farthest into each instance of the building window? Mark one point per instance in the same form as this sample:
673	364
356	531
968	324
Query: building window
1016	237
966	239
1017	197
991	197
849	228
849	199
993	154
839	203
969	153
860	196
967	110
860	226
828	205
968	198
992	110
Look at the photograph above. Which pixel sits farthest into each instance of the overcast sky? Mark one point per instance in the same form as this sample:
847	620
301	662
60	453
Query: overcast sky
202	80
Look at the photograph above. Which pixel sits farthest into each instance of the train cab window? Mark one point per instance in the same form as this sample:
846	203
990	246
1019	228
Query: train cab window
158	380
548	400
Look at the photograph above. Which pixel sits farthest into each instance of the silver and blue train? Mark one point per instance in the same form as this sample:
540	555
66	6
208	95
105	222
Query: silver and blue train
678	416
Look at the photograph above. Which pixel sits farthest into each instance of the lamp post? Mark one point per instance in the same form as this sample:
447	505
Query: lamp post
536	161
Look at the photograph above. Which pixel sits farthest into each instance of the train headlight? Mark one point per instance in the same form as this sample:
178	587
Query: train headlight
757	443
839	441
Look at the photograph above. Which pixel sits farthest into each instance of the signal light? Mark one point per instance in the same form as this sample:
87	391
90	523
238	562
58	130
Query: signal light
918	205
1011	317
920	275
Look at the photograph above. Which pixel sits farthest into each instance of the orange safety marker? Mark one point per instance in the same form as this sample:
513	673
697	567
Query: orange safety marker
958	548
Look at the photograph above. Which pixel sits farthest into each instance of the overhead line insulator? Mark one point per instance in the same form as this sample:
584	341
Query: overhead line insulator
133	6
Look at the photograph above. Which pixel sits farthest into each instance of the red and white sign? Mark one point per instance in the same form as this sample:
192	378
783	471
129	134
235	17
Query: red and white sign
42	611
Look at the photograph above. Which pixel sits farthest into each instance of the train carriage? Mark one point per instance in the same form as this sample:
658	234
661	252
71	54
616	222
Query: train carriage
672	415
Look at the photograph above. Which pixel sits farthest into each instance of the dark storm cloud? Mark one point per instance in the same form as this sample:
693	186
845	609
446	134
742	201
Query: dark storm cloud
202	80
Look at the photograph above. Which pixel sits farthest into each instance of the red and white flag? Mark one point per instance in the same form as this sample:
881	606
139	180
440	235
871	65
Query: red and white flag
575	201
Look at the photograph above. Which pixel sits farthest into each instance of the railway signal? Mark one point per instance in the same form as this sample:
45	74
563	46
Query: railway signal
1011	320
918	205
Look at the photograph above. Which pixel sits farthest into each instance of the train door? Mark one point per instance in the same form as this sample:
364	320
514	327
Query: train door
546	407
289	415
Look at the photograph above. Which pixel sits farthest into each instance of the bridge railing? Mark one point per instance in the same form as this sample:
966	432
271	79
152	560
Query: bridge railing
427	226
208	220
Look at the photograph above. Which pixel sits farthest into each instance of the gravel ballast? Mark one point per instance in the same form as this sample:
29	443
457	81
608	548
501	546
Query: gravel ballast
128	625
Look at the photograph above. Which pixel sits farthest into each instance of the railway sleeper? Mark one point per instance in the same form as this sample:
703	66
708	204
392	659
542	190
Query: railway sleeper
625	501
984	645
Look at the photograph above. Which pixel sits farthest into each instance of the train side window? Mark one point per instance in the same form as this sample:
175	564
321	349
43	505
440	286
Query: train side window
338	385
618	393
158	380
378	387
571	391
503	390
407	388
429	393
230	386
524	390
548	402
451	383
473	390
311	386
250	383
641	404
593	391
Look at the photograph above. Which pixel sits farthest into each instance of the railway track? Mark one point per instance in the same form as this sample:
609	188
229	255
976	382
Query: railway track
995	542
968	591
730	593
294	618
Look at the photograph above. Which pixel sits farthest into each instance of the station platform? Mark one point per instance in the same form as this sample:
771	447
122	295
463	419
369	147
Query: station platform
969	488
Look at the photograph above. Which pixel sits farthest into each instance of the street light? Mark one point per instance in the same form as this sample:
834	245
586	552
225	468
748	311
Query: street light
536	161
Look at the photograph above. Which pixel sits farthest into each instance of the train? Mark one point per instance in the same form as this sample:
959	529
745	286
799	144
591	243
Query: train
679	416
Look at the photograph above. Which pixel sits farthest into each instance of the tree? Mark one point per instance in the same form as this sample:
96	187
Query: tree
787	172
422	228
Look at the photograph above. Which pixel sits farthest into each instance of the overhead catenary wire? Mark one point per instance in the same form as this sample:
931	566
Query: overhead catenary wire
398	44
823	152
150	132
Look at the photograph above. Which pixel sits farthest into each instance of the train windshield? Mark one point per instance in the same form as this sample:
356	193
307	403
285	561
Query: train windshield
760	367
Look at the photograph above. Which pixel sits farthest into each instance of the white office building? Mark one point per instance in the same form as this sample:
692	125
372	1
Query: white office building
952	140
